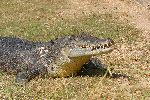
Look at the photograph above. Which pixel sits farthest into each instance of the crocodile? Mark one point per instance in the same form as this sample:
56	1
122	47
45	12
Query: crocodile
60	57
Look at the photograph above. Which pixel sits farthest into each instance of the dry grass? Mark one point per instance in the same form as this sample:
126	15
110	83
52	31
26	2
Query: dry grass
126	21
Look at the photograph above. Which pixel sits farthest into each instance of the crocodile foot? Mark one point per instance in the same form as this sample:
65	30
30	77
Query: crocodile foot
93	68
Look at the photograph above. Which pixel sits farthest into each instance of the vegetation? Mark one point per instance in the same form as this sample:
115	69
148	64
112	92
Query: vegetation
42	20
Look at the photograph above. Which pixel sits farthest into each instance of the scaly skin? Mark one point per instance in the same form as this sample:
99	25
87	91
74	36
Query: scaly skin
61	57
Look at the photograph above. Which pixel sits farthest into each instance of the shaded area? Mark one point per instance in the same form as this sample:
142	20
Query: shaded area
95	68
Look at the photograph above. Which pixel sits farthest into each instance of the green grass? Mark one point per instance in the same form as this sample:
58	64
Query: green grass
38	20
39	31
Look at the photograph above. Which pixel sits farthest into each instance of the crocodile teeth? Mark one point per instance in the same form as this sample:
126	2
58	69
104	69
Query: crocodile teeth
105	45
98	47
87	46
101	46
94	47
84	46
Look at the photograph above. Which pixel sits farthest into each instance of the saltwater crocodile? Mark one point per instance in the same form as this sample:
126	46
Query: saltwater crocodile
60	57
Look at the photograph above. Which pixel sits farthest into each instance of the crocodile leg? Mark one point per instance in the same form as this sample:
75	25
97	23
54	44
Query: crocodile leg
92	68
95	63
25	76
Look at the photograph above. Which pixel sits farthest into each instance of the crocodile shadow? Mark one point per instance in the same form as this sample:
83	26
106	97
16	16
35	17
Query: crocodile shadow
98	69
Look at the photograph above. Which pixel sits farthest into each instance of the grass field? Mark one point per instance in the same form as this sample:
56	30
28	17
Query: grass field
42	20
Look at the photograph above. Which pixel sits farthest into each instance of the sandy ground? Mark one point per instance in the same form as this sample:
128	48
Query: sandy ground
138	14
133	12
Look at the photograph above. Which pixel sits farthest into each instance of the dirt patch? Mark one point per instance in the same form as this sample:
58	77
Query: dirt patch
132	11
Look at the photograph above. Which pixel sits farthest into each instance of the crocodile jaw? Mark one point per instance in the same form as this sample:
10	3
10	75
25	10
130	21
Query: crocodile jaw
77	52
91	50
70	64
67	66
91	47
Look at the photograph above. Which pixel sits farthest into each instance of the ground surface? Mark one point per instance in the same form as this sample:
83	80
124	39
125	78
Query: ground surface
126	21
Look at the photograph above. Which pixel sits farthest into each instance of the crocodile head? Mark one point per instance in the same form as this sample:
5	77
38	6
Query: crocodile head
71	52
87	45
